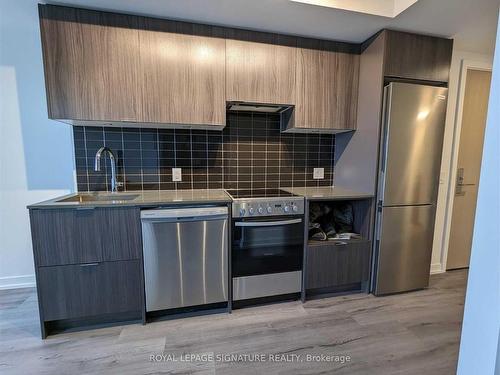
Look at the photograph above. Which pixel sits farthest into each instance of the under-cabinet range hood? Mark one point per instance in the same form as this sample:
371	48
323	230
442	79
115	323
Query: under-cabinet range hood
257	107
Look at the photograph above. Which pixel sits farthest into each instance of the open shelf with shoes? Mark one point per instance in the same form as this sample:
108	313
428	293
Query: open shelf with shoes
336	262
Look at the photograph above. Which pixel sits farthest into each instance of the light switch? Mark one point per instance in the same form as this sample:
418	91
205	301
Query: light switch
176	174
319	173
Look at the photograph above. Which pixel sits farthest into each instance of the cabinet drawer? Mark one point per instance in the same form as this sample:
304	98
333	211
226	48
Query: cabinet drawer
84	290
337	263
74	236
66	236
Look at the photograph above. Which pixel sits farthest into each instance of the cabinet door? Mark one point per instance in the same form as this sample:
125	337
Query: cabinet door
85	290
120	233
91	62
418	57
337	264
65	236
261	71
327	90
182	73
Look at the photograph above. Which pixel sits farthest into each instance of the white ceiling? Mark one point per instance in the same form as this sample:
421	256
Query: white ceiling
386	8
471	22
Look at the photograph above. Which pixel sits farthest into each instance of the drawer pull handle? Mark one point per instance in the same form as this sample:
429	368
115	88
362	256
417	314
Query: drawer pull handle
89	264
340	243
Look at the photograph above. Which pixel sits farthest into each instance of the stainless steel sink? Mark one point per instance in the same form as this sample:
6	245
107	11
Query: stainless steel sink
86	198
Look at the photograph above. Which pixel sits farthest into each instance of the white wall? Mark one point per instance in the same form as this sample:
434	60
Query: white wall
479	343
447	182
475	44
36	154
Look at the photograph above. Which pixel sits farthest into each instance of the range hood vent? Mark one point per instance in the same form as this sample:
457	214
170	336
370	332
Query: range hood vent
256	107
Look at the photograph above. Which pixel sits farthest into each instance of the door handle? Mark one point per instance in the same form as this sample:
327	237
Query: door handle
460	176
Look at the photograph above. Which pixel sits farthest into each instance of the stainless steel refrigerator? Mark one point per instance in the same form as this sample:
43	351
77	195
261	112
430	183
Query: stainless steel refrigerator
409	168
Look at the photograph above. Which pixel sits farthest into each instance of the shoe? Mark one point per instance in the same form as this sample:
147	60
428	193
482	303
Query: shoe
329	230
316	233
343	217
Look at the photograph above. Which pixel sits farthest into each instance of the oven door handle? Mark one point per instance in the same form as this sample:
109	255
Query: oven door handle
266	223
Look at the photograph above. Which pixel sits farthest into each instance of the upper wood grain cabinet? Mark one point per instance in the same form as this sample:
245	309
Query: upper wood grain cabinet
91	64
327	90
103	67
182	73
260	68
418	57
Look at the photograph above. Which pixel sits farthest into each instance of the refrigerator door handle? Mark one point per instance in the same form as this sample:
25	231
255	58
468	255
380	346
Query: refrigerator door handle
386	120
383	144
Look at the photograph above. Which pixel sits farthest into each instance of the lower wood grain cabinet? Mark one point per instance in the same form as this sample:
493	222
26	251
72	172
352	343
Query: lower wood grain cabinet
337	263
72	236
120	232
84	290
88	265
65	237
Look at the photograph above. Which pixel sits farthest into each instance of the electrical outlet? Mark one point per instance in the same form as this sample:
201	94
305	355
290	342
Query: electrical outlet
319	173
176	174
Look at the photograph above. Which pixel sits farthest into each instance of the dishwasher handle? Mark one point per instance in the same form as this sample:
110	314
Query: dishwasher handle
184	214
184	219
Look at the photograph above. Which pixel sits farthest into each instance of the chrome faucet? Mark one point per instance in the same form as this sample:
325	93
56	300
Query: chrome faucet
112	158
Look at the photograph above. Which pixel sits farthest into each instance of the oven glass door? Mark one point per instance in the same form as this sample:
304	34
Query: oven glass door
267	245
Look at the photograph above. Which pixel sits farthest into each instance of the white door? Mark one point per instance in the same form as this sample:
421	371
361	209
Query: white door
475	108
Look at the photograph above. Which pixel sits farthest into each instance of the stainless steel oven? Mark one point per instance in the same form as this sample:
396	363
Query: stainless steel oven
267	247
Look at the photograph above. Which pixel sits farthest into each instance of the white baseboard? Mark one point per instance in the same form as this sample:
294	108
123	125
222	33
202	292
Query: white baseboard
437	268
15	282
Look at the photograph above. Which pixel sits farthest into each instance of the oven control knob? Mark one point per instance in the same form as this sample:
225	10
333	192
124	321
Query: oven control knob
251	210
286	209
260	210
269	210
242	212
295	208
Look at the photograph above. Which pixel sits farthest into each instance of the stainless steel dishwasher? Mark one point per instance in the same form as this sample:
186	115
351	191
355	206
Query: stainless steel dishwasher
185	256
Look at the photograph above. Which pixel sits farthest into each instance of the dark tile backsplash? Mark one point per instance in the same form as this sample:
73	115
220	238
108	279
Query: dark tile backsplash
249	153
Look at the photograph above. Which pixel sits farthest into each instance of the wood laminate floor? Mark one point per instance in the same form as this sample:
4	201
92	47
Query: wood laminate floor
412	333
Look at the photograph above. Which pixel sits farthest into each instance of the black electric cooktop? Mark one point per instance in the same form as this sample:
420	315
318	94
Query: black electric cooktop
259	193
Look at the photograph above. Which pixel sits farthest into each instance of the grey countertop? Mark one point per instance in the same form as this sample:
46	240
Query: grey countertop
328	193
172	197
136	198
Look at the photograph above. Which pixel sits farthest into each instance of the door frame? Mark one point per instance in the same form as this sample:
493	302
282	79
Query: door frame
457	130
